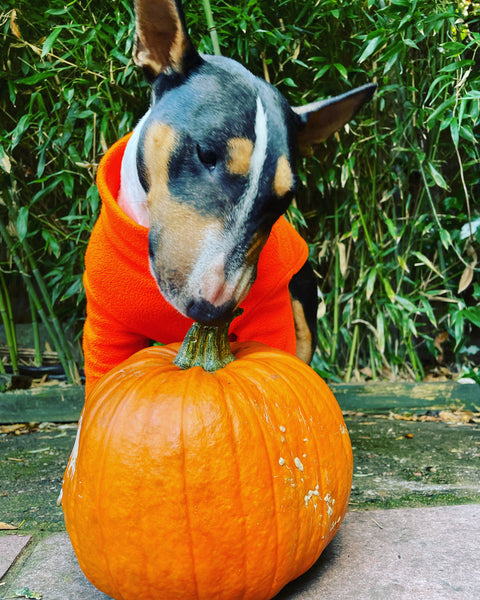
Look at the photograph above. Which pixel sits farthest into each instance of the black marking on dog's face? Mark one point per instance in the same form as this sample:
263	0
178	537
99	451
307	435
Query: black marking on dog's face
217	161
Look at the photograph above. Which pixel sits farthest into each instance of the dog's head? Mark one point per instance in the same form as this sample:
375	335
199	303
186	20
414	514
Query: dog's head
216	158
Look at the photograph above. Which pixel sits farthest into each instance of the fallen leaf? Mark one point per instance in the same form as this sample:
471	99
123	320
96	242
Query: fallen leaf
440	339
5	163
455	417
12	428
6	526
13	26
466	279
451	417
343	261
467	275
38	451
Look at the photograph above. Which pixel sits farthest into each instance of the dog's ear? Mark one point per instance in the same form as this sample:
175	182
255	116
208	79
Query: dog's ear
162	44
320	119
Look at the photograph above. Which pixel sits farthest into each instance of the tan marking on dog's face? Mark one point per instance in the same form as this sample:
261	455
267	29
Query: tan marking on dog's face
302	332
239	156
182	230
283	181
258	242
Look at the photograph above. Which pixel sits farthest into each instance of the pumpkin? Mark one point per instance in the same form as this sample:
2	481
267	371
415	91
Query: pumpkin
189	484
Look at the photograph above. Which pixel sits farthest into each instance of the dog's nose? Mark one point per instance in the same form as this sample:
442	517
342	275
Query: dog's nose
204	312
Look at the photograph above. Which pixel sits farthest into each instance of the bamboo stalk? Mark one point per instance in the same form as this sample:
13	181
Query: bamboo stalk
7	319
211	27
47	301
336	298
351	357
37	361
67	363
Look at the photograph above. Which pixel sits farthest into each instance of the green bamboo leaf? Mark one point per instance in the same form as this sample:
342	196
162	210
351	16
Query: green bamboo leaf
411	44
472	314
406	304
453	66
445	238
437	176
34	79
20	129
370	48
321	72
342	70
403	263
388	289
444	80
428	310
372	276
392	229
22	223
381	331
454	131
458	322
441	110
426	261
467	134
50	41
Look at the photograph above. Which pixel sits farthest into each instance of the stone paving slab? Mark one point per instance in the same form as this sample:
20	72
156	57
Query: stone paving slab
11	547
404	554
398	554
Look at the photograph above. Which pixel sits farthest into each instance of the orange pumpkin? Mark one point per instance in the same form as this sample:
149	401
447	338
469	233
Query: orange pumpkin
188	484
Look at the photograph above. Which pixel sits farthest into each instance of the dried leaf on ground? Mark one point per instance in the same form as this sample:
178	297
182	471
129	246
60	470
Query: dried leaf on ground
19	428
6	526
452	417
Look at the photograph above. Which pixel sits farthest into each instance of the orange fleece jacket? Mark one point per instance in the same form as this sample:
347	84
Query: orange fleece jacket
125	309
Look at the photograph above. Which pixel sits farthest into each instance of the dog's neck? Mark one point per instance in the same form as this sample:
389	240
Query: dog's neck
132	198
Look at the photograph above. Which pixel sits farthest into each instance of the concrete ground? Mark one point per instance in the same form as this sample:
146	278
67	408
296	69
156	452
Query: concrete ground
412	530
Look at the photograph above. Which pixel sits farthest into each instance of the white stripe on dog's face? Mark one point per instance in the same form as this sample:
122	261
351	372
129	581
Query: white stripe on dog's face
257	163
208	279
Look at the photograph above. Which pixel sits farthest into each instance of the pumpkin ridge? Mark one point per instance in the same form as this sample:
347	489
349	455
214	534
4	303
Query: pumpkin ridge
99	496
294	380
122	401
240	382
297	387
266	368
334	411
188	381
228	404
146	533
271	367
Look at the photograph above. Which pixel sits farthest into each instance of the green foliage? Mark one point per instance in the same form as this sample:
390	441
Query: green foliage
389	206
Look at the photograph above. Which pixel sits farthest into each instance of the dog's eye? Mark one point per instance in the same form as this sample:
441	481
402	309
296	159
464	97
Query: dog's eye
207	157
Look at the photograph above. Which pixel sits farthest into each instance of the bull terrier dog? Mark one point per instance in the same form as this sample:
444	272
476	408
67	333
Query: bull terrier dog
191	224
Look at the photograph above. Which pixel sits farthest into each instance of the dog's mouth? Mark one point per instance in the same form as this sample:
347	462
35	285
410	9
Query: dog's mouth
211	301
217	300
206	313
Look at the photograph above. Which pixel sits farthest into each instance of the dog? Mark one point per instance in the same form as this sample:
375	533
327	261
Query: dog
191	224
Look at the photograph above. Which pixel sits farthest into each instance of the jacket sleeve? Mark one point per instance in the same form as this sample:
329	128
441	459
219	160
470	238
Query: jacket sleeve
106	343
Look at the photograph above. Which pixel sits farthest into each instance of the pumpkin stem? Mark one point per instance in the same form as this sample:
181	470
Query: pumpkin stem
206	346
